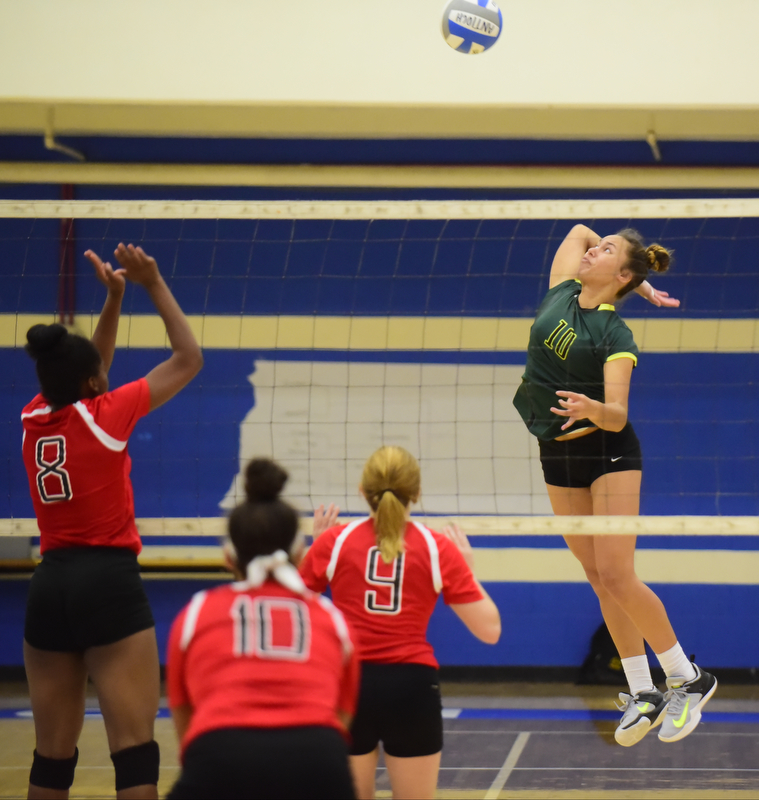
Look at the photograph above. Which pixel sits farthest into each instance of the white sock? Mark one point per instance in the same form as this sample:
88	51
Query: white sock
675	662
638	674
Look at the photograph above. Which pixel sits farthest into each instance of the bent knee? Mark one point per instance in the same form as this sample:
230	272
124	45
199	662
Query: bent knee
594	578
125	730
617	582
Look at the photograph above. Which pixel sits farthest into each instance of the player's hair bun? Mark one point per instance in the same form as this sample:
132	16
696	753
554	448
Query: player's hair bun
43	340
264	480
658	258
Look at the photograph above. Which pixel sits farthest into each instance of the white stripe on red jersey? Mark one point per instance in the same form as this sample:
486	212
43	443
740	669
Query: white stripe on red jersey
107	441
191	618
264	657
339	544
388	606
37	412
437	578
78	467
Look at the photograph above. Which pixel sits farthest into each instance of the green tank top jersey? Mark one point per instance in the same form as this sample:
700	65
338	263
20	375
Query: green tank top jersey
568	348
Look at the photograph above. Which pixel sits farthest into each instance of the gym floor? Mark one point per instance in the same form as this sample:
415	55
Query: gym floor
503	740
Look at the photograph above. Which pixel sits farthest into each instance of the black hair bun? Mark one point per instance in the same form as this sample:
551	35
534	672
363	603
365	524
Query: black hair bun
44	339
264	480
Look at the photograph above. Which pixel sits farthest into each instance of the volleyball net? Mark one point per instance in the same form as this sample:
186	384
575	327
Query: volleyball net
331	328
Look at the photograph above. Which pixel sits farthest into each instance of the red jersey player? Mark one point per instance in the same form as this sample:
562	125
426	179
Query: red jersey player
87	612
262	671
386	572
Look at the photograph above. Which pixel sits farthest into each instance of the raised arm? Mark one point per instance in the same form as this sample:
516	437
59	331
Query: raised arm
324	519
656	296
566	262
185	362
104	337
482	616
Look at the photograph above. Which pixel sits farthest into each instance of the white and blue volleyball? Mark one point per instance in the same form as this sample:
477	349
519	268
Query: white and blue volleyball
471	26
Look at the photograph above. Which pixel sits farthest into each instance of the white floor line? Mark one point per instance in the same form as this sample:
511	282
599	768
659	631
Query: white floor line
508	766
451	769
594	734
638	769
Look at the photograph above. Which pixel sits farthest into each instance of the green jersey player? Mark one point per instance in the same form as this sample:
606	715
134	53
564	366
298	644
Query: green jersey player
573	398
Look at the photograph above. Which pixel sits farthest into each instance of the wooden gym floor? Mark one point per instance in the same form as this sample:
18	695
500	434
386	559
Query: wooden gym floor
503	740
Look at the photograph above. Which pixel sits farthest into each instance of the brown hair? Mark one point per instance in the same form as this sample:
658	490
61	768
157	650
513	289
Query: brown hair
262	523
641	259
391	480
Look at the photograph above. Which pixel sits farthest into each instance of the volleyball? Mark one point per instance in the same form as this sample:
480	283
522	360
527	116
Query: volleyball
471	26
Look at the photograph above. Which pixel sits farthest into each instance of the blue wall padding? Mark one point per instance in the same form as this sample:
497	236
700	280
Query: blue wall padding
386	267
220	150
543	624
694	414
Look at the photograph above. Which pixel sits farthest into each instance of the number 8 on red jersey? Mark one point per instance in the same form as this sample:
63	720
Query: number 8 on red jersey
53	481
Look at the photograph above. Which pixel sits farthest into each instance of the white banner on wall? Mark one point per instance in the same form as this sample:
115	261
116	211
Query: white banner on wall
322	420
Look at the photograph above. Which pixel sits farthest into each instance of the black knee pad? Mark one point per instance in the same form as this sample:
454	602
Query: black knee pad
53	773
136	765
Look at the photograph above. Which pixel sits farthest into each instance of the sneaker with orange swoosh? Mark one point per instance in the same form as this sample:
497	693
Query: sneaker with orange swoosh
686	699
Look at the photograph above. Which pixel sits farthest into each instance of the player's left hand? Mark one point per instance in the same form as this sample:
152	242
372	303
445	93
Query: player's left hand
659	298
324	519
573	405
113	279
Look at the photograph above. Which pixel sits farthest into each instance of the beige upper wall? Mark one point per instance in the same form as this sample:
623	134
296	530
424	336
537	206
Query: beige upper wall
660	52
200	66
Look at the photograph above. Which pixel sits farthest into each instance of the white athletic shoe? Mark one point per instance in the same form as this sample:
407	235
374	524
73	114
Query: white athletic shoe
640	714
686	699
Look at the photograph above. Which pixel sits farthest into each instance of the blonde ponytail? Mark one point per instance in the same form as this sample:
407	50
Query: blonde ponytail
389	526
390	482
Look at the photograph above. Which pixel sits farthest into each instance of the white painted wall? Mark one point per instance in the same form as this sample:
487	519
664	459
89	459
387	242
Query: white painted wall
322	420
587	52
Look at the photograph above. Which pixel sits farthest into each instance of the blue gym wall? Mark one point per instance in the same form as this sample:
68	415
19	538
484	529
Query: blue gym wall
694	412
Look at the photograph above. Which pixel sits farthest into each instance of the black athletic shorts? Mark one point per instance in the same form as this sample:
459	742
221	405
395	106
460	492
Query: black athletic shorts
308	762
84	597
579	462
398	705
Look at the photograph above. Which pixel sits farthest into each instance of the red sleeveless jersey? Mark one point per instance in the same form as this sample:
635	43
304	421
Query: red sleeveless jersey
389	605
260	658
78	467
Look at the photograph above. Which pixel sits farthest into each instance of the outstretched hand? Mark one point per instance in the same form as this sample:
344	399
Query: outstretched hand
138	266
324	519
458	537
112	279
657	297
574	406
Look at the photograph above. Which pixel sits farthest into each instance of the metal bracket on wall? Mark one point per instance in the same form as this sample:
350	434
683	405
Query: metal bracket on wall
653	143
51	144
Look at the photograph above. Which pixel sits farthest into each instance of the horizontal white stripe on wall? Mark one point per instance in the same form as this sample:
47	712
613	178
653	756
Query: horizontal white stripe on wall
474	525
548	565
543	565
